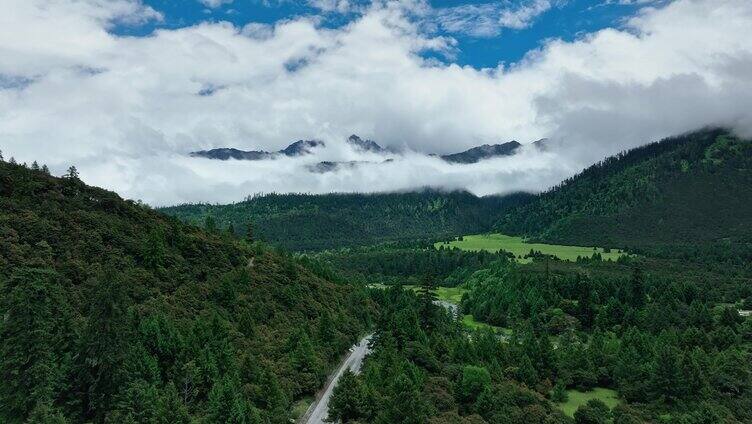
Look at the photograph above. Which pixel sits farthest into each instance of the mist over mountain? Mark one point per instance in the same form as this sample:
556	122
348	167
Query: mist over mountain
486	151
298	148
368	151
137	102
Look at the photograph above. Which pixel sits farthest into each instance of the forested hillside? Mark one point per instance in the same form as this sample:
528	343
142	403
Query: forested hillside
114	313
316	222
686	190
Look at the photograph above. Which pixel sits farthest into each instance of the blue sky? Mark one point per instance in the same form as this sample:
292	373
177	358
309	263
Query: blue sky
565	19
82	83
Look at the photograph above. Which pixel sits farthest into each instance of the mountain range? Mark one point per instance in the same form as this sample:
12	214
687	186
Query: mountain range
690	189
306	147
298	148
115	312
317	222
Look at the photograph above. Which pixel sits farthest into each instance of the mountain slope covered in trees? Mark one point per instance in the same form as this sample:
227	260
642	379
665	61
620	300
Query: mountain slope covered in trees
316	222
685	190
112	312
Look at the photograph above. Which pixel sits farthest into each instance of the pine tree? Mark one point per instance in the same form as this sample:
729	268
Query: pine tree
34	166
249	233
666	371
226	404
154	249
72	173
305	363
559	393
428	298
637	286
45	169
594	412
348	399
33	337
12	161
405	403
104	344
210	225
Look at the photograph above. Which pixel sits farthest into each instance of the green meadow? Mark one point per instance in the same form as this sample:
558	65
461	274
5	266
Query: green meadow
577	398
519	247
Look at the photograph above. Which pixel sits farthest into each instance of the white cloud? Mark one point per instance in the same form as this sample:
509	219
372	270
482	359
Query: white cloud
341	6
489	19
522	16
126	110
213	4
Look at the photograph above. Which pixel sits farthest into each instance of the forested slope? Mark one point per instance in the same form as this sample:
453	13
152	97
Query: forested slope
691	189
112	312
316	222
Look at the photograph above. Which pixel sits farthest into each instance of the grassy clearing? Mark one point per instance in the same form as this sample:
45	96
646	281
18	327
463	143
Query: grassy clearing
519	247
450	294
469	322
454	295
577	398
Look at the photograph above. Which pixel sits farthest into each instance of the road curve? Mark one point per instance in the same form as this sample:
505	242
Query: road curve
319	409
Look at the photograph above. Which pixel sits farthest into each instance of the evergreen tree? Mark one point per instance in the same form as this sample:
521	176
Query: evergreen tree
249	233
210	225
594	412
428	298
559	393
666	372
305	363
45	169
404	404
105	342
1	156
72	173
348	401
33	341
227	405
34	166
154	249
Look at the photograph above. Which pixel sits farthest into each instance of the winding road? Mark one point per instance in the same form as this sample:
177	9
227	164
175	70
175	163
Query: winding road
319	409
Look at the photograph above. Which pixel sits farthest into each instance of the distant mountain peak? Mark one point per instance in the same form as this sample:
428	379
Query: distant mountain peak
364	145
298	148
302	147
542	144
485	151
226	153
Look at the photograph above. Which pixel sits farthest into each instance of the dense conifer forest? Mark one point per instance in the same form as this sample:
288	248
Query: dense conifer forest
318	222
686	190
114	313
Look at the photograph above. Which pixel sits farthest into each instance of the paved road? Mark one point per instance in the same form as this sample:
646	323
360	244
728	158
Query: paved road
318	411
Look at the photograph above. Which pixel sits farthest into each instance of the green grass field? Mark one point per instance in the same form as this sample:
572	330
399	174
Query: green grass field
577	398
450	294
519	247
470	322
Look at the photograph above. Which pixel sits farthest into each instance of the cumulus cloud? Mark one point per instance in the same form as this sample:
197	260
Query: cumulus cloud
127	110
